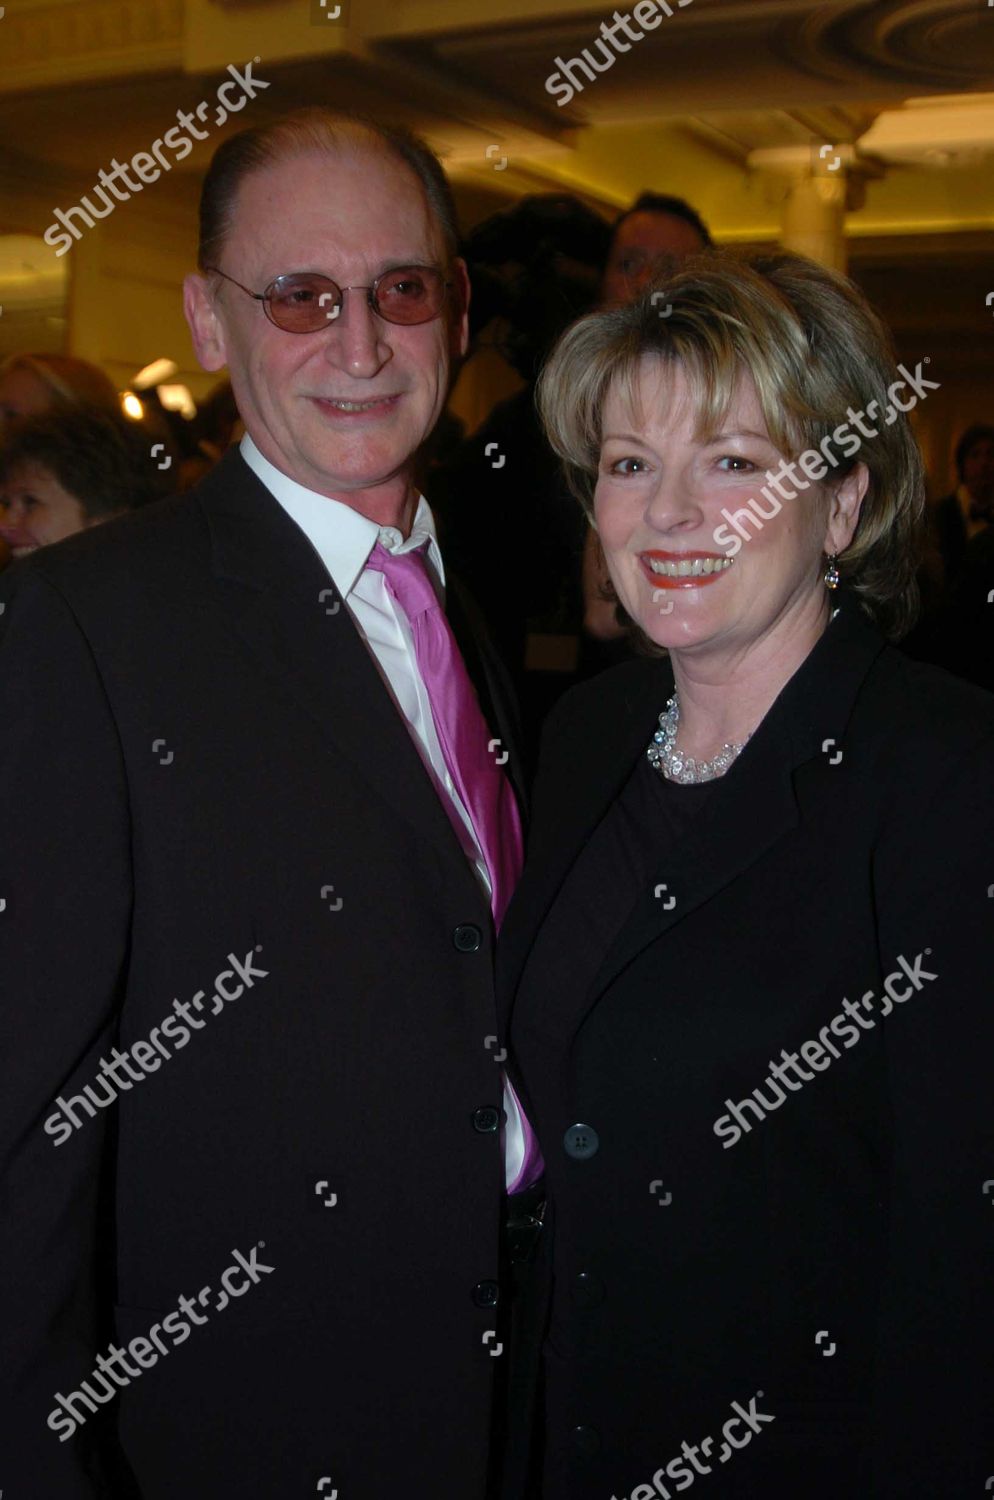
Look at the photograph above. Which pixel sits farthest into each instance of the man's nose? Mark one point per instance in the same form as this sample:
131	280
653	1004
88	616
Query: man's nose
358	343
639	278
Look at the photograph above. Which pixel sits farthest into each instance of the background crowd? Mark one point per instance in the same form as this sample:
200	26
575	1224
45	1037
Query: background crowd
72	456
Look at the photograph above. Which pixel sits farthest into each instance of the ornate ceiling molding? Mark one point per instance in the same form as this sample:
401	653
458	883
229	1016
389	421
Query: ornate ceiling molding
944	44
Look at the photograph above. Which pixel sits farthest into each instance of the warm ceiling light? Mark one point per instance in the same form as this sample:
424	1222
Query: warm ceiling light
155	373
178	398
131	406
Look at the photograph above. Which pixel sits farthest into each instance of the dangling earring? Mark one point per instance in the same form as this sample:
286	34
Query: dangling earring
832	571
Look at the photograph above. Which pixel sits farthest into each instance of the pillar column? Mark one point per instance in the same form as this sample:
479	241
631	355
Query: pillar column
816	187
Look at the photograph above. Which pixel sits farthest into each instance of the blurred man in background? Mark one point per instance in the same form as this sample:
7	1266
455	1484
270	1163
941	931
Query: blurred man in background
657	230
961	515
506	518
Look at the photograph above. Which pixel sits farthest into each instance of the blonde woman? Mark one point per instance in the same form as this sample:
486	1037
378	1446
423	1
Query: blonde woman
748	972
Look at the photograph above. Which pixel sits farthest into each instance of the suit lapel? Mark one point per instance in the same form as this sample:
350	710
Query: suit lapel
487	673
278	598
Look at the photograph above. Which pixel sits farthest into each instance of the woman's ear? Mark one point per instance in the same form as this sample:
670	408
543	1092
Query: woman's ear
845	503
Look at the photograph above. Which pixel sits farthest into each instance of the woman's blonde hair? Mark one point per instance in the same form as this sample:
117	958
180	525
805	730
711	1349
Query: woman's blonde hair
817	353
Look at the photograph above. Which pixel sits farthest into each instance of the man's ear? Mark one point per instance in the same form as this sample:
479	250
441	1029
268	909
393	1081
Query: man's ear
461	293
205	325
845	502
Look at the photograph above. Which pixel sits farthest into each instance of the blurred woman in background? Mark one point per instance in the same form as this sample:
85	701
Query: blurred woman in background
67	470
34	383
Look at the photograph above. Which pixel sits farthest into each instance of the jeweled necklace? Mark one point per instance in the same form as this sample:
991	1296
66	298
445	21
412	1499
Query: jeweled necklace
673	764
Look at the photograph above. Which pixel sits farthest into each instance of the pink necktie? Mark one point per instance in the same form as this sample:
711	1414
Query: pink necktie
462	730
465	740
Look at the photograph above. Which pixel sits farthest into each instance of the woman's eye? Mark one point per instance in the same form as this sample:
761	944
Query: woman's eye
738	464
628	466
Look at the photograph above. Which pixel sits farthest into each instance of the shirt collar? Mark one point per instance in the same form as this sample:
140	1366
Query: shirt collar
342	538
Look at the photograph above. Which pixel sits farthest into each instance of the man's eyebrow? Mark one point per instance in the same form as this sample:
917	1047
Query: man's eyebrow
393	263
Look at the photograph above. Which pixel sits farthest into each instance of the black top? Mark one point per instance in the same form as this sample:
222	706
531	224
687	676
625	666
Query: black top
629	845
820	1237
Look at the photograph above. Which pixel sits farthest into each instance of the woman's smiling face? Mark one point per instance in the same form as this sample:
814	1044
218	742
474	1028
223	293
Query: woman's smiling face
663	492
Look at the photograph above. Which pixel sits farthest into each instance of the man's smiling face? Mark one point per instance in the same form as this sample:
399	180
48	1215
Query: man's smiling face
342	410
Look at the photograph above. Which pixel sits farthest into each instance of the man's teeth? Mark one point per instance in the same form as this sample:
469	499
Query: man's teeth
689	567
353	405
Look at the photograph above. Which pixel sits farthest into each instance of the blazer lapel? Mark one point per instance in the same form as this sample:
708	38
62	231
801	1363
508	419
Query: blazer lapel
755	804
632	699
752	807
279	599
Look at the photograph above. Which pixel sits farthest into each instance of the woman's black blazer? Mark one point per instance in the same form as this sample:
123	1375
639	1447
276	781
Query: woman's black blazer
836	1252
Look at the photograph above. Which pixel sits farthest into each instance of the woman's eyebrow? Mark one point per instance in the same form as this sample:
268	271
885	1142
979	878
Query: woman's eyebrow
722	437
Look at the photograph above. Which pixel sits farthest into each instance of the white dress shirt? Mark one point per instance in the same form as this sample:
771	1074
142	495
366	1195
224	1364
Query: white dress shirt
343	539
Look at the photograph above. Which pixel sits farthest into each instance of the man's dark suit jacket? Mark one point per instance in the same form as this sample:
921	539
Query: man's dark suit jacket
949	530
837	1256
201	759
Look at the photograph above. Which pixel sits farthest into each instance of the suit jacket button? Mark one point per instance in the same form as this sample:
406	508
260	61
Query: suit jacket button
581	1142
467	938
486	1119
586	1440
485	1294
587	1289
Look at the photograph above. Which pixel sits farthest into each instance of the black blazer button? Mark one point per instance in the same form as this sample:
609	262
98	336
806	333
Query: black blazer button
485	1294
587	1289
467	938
586	1440
486	1119
581	1142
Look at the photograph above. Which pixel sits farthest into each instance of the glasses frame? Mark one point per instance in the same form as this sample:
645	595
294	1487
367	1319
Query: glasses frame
265	296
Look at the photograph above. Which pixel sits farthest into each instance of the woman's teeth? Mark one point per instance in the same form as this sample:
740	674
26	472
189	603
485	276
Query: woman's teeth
689	567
